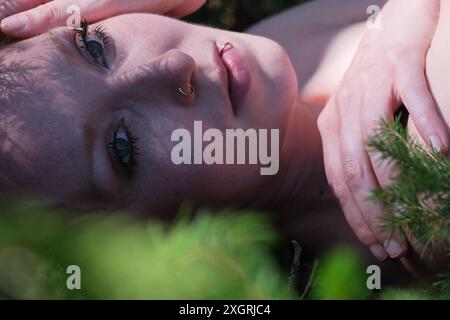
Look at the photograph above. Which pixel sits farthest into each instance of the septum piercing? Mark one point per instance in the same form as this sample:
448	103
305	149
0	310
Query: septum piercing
187	94
226	46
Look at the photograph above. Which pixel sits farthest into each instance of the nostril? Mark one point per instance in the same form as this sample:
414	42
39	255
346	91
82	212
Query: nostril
178	66
187	93
172	72
179	69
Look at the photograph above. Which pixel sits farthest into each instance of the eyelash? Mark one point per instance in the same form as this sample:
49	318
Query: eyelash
133	151
100	32
130	140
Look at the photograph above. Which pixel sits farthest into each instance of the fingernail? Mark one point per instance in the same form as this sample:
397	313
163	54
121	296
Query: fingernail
378	251
393	248
436	143
14	23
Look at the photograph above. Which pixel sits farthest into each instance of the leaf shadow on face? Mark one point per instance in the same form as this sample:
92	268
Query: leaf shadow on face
27	96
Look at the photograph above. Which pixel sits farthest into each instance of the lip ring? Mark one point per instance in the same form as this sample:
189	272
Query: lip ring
238	74
225	47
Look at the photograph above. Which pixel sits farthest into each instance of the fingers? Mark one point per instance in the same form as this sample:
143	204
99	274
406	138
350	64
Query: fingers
357	167
378	106
52	14
414	92
10	7
37	20
329	130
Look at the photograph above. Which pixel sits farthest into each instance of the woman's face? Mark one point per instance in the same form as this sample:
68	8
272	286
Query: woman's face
95	126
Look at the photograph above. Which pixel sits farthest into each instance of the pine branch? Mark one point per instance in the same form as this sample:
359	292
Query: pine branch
419	195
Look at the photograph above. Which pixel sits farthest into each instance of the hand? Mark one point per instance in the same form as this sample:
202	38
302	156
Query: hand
388	70
27	18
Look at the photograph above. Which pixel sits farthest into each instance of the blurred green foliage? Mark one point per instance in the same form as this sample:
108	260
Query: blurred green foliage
419	196
214	256
238	15
406	294
341	276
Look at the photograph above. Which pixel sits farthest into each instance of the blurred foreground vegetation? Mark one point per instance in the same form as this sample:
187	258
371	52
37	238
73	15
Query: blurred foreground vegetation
223	256
215	255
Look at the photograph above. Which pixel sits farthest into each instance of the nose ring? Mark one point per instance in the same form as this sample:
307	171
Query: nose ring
187	94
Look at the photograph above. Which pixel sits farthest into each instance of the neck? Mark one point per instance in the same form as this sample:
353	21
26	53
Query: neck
302	174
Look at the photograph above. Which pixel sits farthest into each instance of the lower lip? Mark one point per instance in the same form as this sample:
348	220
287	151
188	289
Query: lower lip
239	76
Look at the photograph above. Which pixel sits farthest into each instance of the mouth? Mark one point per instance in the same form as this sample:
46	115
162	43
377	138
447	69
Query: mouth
238	75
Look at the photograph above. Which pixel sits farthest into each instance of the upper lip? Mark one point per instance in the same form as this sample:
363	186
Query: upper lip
223	74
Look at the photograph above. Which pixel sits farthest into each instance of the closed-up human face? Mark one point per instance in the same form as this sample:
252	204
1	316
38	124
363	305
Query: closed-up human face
88	116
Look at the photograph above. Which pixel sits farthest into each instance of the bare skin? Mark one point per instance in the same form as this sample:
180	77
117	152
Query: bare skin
301	184
320	69
83	102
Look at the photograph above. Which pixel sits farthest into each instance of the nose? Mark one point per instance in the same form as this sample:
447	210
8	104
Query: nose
165	74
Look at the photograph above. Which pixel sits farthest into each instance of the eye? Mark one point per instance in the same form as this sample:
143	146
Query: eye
94	45
95	48
124	149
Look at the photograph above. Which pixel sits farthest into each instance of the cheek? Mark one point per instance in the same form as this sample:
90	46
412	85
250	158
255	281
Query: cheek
165	183
56	164
149	34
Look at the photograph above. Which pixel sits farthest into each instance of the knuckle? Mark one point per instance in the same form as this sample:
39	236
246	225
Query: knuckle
50	12
373	127
369	73
414	84
424	118
373	217
414	89
343	96
353	173
341	191
366	76
399	54
364	234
